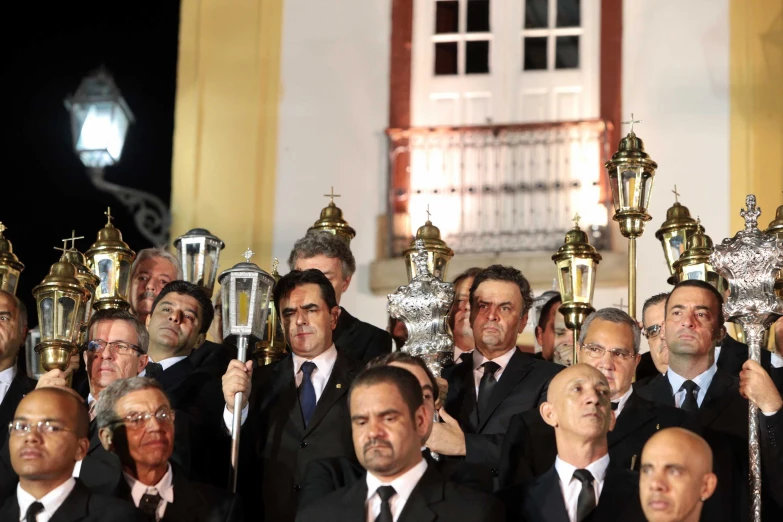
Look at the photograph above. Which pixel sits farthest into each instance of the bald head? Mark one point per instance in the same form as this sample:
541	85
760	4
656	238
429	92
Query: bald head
676	476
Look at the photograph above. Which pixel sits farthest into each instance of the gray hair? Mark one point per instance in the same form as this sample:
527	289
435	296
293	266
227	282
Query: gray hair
149	253
320	243
105	415
617	316
112	314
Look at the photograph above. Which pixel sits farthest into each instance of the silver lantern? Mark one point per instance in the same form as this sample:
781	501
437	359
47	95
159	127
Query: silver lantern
199	253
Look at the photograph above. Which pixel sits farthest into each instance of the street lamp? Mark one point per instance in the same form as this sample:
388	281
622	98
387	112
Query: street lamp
100	118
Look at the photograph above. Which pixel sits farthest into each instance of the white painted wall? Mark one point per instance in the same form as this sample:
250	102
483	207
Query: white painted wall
676	80
333	111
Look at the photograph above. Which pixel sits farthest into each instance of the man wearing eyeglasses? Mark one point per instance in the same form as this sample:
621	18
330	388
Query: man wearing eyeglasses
656	361
136	422
609	341
48	435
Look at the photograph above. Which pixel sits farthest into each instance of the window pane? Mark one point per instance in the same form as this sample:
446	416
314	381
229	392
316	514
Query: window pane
535	53
445	58
536	14
567	52
568	14
446	17
476	57
478	16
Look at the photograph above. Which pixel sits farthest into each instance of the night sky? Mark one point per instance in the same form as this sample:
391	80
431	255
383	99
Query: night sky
48	48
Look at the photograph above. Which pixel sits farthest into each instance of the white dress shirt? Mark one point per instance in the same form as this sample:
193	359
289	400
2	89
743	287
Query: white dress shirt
7	376
51	501
621	402
457	354
165	363
164	488
403	486
702	380
324	364
479	359
570	486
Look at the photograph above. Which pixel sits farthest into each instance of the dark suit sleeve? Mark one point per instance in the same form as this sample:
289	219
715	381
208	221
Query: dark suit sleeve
483	449
771	442
318	482
495	511
380	344
514	465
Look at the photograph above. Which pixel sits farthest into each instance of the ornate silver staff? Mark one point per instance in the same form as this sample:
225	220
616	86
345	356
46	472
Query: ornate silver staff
749	261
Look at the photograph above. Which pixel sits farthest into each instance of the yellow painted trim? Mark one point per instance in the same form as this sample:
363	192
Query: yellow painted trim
756	77
225	123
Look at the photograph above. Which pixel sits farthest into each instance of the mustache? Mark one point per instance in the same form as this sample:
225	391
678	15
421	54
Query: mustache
148	294
376	442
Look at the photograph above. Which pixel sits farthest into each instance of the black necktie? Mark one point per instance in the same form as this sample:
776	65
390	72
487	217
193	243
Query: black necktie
585	503
32	512
466	357
386	493
689	404
307	391
486	386
149	505
615	405
153	370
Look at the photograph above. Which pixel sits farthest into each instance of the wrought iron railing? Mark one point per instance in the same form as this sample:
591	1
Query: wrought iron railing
493	189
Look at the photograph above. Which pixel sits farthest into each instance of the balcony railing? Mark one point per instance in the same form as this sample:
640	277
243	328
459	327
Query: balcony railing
493	189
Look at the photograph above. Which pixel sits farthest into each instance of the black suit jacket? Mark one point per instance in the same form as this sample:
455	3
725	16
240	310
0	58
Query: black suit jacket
733	355
20	386
646	367
323	476
213	358
81	505
193	501
723	419
542	500
359	340
276	446
433	499
521	387
529	448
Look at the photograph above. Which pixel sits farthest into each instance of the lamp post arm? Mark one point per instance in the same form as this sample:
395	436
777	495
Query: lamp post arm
149	212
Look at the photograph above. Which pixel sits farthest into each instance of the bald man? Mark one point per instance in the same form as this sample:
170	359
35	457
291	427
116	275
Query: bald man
580	484
676	476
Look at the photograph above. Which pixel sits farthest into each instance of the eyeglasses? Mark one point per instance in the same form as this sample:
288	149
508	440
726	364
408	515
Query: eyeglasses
97	346
22	428
596	351
137	421
651	332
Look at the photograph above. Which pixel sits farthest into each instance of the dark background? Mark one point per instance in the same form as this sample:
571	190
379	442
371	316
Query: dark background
47	49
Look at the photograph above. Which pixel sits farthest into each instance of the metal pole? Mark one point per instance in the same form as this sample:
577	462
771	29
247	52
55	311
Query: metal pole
632	277
237	419
574	359
753	334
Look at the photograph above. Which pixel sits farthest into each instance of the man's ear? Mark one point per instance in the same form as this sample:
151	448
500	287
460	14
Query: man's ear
81	449
547	412
147	321
346	283
708	485
421	421
613	420
522	323
540	335
335	314
143	360
105	435
200	340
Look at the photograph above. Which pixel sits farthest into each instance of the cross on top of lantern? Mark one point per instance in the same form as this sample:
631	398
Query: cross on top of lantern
332	221
10	266
675	231
199	254
110	259
85	276
438	252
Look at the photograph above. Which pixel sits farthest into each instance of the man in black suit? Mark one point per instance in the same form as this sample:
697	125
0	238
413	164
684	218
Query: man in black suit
389	421
555	339
655	361
297	409
676	476
323	476
581	485
48	435
136	422
719	401
609	341
332	256
500	381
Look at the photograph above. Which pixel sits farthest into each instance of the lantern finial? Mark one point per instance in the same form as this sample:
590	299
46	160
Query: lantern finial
274	266
631	122
576	219
332	195
2	228
751	215
73	239
676	194
109	217
64	248
248	254
429	216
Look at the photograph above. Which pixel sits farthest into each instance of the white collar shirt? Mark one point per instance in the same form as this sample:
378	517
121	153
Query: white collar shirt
164	488
621	402
7	376
51	501
324	364
458	353
570	486
403	486
702	380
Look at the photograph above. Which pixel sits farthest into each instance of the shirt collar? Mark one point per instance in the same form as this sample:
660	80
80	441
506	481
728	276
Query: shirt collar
164	487
621	402
168	362
323	361
403	485
702	380
8	375
502	361
51	501
597	468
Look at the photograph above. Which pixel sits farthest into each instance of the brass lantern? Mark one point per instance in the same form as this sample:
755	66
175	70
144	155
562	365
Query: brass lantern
675	231
199	253
60	299
695	262
87	279
110	259
631	172
10	266
332	221
776	228
576	262
438	252
272	347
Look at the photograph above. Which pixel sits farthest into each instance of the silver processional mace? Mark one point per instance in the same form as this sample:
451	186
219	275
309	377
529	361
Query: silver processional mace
750	261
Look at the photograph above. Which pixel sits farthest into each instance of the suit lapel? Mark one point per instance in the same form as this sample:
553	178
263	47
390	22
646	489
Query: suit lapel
19	387
175	373
75	506
353	500
186	501
548	497
716	398
518	367
636	412
428	491
336	387
466	394
658	391
343	331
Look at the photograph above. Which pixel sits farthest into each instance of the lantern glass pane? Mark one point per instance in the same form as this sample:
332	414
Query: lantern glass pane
628	188
210	266
244	288
647	183
564	275
124	284
614	182
262	306
46	318
697	272
225	306
105	272
65	314
194	258
674	247
9	280
583	280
